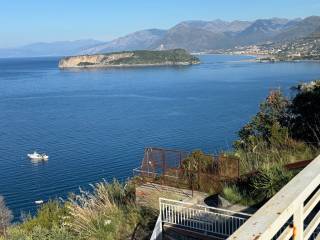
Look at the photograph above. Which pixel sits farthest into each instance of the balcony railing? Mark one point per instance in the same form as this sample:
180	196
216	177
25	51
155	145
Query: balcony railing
203	219
293	213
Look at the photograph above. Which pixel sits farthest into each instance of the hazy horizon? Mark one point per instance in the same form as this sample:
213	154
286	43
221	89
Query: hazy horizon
35	21
106	40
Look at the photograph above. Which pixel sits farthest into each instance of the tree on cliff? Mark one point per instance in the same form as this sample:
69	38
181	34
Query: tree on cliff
272	114
305	109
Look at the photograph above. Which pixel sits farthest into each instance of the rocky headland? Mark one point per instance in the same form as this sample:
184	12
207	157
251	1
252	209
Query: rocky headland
175	57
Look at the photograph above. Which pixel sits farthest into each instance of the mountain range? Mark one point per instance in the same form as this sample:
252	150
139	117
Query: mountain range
194	36
60	48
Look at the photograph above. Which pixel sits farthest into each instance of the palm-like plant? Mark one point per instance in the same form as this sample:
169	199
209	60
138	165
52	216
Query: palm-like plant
270	180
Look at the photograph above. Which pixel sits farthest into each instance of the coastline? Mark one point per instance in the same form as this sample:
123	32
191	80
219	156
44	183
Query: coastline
131	65
260	58
138	58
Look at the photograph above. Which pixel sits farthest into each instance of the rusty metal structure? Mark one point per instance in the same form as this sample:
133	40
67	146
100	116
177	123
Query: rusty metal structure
182	169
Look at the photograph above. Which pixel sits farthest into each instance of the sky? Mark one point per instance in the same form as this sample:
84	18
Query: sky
27	21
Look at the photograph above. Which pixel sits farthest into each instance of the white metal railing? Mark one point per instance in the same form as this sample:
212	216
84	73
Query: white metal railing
293	213
157	231
201	218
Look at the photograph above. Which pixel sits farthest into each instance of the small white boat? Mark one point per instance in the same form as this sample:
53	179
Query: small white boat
38	202
38	156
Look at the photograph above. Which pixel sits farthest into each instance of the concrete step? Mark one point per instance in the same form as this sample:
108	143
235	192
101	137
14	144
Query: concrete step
181	233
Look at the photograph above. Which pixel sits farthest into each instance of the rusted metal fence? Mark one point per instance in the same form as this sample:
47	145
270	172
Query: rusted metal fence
168	167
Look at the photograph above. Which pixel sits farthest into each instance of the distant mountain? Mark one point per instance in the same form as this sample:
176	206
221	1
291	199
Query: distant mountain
194	36
60	48
201	35
192	39
141	40
262	30
216	26
183	35
198	36
301	29
315	34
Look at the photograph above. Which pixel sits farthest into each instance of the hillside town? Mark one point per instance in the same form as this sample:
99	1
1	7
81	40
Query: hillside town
301	49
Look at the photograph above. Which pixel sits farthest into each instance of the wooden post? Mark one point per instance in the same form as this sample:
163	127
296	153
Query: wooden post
298	223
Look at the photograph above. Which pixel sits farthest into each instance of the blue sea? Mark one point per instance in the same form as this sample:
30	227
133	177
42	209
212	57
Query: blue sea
94	124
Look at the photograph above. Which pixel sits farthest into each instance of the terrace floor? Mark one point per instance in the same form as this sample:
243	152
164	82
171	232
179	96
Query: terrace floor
149	194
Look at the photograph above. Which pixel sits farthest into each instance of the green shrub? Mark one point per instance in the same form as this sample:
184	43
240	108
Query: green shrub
197	162
49	215
282	131
305	111
273	111
232	194
38	233
121	194
105	213
235	195
269	181
5	217
279	149
259	187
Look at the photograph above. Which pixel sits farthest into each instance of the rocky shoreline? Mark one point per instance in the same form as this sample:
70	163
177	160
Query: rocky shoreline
131	65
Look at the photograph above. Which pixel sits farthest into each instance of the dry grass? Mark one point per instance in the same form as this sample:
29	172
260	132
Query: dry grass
106	212
265	156
150	198
100	214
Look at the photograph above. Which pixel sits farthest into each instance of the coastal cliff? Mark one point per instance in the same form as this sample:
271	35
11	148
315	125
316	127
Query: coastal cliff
173	57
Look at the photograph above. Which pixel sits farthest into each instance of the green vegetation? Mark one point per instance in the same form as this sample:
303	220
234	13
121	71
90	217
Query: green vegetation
131	58
305	108
257	188
300	49
269	181
283	131
235	195
107	212
5	217
268	139
195	162
49	216
175	56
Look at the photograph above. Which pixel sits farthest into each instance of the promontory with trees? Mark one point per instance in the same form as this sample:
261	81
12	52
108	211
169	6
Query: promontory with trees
139	58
